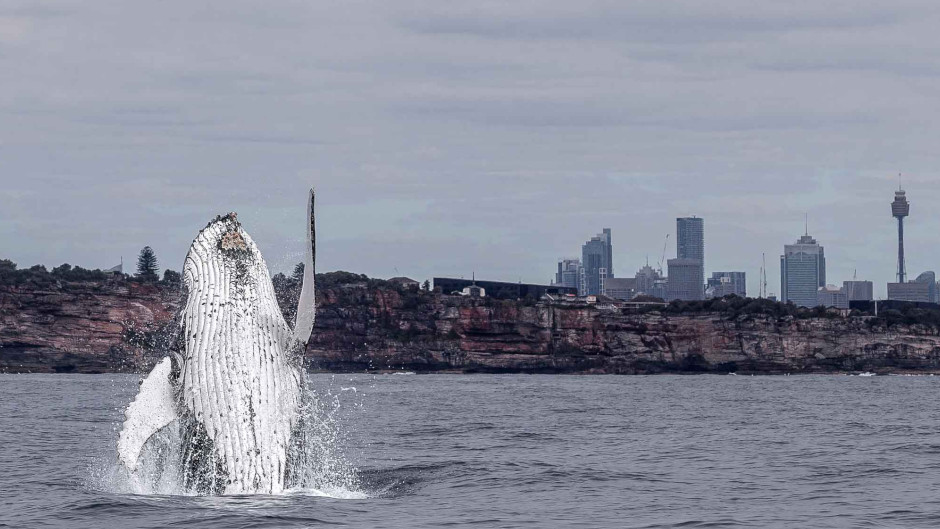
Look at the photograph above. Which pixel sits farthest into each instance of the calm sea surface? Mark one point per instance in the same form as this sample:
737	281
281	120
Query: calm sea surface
519	451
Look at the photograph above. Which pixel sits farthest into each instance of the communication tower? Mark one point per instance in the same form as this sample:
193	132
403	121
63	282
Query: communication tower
900	208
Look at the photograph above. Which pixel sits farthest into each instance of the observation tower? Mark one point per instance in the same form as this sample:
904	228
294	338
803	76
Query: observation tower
900	208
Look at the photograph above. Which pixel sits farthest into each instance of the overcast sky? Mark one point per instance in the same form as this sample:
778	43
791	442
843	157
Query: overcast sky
447	137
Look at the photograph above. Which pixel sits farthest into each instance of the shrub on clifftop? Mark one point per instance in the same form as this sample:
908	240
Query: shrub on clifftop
38	275
171	278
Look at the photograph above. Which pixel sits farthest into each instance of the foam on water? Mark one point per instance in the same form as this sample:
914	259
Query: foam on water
319	466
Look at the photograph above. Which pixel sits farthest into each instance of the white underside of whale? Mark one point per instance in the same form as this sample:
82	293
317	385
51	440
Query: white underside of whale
240	375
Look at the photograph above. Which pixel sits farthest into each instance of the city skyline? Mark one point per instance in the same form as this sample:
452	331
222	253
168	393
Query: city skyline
690	248
752	280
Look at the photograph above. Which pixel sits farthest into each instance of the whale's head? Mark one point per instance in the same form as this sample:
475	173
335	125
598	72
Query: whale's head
223	258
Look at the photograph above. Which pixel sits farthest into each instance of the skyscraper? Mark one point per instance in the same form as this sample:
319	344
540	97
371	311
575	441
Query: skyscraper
690	239
802	272
690	249
597	260
569	273
685	280
900	209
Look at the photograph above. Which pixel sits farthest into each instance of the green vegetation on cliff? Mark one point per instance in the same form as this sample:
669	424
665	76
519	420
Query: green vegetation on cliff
39	276
734	307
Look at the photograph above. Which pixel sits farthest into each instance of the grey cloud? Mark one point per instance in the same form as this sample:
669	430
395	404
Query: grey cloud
487	136
647	21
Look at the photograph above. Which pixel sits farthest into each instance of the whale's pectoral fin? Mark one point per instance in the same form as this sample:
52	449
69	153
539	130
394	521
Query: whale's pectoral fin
307	306
152	409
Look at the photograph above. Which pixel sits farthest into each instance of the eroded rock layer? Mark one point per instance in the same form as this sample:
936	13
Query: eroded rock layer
370	325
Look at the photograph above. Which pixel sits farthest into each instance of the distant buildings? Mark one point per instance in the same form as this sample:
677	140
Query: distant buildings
910	291
832	296
645	279
405	282
499	289
690	246
722	284
923	289
686	273
802	272
570	274
685	280
597	260
622	288
930	279
660	288
649	282
690	239
473	291
859	290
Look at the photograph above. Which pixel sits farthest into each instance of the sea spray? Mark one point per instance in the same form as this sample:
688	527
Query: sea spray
318	464
318	461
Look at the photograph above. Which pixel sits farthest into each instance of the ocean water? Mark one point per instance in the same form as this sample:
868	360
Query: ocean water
517	451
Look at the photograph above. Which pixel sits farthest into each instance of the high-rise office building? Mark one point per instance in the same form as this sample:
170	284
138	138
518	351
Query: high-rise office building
598	263
859	290
690	239
685	280
689	264
930	279
802	272
721	284
569	273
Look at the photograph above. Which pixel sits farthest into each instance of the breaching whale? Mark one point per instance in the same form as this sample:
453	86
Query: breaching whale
234	383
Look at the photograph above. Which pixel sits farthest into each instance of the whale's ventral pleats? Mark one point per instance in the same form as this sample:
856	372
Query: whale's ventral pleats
236	384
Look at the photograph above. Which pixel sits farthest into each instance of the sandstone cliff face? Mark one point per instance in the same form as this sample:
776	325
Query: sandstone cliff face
87	327
122	326
359	329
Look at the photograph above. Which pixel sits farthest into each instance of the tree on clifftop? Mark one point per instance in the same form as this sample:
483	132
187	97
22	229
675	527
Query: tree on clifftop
147	265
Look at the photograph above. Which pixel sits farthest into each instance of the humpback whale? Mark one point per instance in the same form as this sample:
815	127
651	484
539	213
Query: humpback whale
233	384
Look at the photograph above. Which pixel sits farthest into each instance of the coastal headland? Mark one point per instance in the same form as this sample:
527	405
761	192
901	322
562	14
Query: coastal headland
81	325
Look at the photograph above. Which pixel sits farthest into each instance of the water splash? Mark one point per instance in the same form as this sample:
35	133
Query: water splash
318	464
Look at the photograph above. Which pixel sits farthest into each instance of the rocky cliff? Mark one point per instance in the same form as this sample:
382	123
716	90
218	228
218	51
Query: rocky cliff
86	327
361	328
371	325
